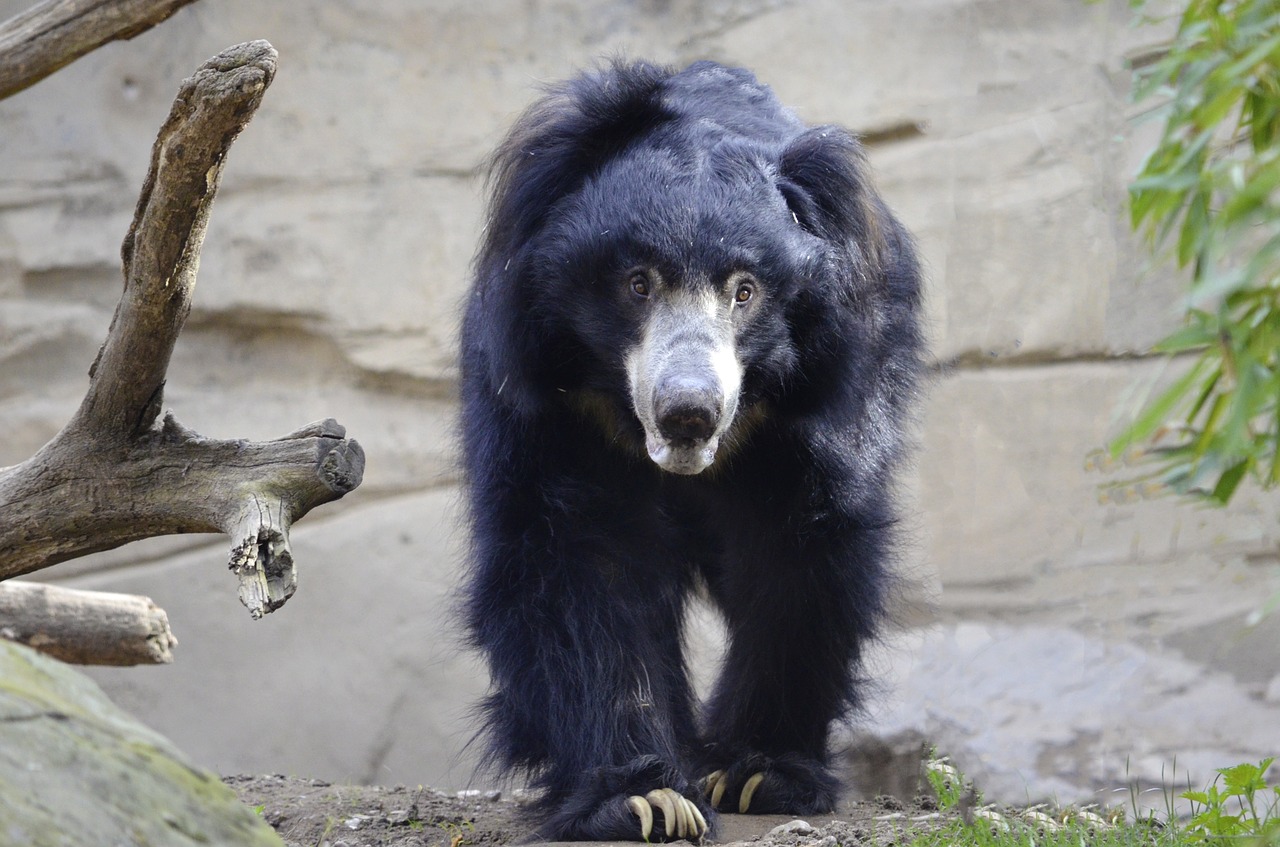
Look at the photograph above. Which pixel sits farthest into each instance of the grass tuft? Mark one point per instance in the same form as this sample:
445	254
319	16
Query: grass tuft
1238	808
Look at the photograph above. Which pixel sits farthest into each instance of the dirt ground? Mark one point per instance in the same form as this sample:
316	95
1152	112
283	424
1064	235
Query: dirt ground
314	813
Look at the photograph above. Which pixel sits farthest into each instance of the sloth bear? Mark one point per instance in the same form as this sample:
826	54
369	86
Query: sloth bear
688	356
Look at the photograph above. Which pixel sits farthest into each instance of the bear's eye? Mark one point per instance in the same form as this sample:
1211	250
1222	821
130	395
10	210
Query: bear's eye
744	293
640	285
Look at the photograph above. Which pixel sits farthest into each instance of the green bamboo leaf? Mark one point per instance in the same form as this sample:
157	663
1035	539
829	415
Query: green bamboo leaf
1171	180
1159	411
1266	50
1229	482
1213	286
1187	338
1195	227
1209	385
1259	187
1262	119
1212	423
1223	104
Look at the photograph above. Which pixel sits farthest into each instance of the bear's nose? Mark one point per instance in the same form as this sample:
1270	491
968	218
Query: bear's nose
687	407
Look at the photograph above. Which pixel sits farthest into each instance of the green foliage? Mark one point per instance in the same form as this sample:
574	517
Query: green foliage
967	823
1242	806
1208	196
459	831
947	782
1238	808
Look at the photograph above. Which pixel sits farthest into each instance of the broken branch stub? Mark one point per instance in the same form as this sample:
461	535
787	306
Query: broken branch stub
260	555
117	472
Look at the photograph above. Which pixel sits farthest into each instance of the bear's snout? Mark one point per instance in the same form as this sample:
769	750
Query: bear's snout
687	407
684	377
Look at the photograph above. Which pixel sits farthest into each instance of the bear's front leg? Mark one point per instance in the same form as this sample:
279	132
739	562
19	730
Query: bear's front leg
590	701
802	600
578	608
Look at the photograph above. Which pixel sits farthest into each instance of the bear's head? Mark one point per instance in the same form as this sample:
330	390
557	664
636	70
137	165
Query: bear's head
667	247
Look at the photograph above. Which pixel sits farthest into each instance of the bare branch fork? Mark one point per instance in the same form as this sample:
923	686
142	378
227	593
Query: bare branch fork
118	471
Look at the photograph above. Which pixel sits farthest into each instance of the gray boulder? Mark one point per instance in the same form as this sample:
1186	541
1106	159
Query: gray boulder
76	770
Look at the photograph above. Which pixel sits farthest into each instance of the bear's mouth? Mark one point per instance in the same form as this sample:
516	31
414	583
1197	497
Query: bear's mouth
683	457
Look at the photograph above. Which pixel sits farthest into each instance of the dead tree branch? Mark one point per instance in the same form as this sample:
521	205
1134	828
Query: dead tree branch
86	627
53	34
117	472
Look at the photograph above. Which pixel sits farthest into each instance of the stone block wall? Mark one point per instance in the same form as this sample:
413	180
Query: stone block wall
336	257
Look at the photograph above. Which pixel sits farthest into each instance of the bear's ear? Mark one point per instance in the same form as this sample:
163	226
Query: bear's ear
824	179
560	142
563	139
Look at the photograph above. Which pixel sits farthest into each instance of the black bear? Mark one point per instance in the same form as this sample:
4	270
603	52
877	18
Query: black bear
688	357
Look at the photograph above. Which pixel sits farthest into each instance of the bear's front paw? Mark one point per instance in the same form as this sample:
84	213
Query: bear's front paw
761	785
644	800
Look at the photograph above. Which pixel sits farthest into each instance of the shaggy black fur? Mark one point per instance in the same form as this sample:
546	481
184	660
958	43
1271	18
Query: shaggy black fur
584	551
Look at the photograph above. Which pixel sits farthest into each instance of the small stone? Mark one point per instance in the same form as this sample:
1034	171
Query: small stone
398	817
354	822
796	827
493	796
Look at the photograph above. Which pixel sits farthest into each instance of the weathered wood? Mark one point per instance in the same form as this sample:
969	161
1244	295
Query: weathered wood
85	627
79	495
116	472
161	251
53	34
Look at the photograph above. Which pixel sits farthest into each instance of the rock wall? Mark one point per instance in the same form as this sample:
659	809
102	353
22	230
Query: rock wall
1001	132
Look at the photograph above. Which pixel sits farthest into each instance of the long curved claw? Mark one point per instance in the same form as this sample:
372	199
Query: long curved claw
680	816
748	791
640	808
699	827
661	798
693	824
684	818
715	787
686	813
